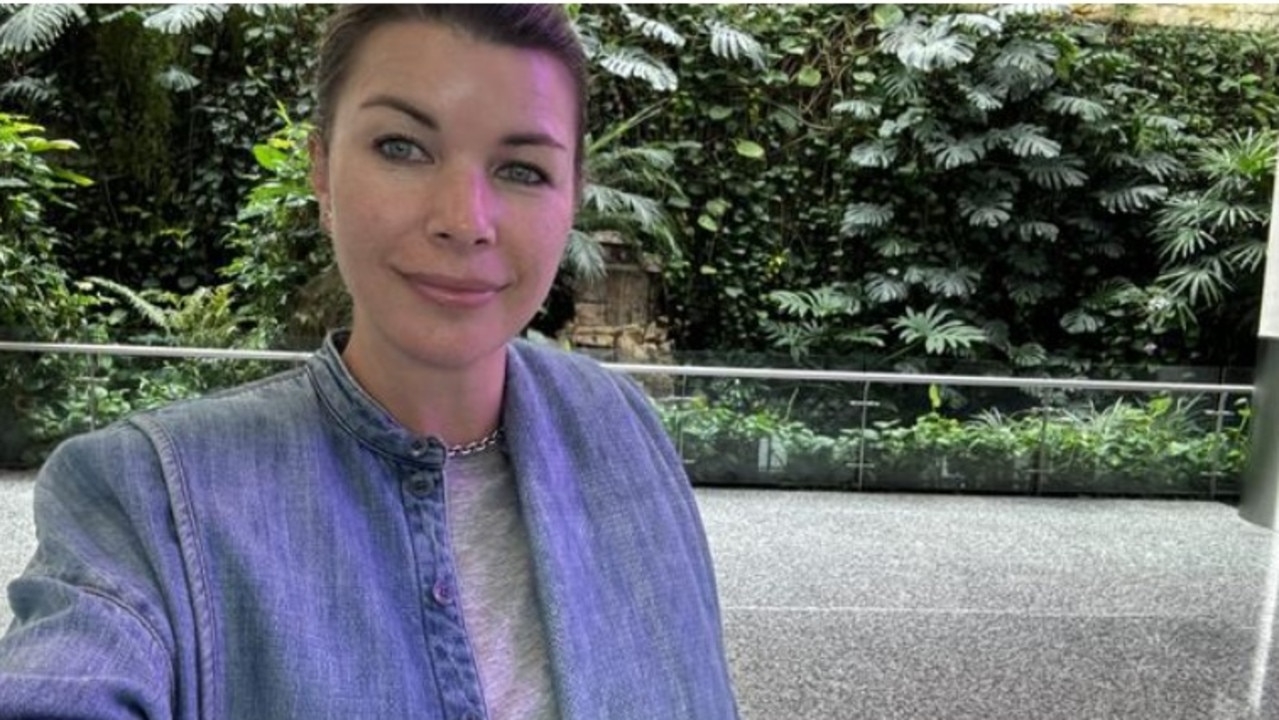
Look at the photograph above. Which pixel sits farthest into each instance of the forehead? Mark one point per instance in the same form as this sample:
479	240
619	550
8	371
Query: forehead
442	68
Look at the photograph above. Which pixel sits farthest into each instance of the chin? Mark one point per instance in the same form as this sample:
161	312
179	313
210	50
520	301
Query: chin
457	351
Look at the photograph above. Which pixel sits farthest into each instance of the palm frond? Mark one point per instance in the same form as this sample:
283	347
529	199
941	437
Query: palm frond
1032	59
650	28
604	206
1082	108
884	289
1028	231
1246	256
952	282
1201	282
179	18
990	208
862	217
176	79
903	84
1184	242
1080	321
729	42
1004	11
927	48
1161	166
36	26
895	246
1028	355
938	330
983	97
859	109
628	62
1055	173
583	256
981	24
1027	140
30	89
957	153
1132	198
879	153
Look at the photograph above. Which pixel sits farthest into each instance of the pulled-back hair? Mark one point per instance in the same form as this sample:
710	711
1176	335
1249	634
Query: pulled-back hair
545	28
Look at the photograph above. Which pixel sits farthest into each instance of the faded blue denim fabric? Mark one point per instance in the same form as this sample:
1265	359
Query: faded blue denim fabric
280	551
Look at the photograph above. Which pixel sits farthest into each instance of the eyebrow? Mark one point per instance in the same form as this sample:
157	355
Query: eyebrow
424	118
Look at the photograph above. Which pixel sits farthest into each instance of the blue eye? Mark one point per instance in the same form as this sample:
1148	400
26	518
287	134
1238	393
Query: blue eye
398	148
524	174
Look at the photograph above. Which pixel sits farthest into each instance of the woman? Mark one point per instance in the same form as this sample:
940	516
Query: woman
430	519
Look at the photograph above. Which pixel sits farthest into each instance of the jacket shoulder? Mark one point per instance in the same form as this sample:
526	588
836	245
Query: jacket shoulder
244	410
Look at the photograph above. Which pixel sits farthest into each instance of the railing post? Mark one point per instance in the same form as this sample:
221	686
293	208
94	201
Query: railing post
861	438
93	392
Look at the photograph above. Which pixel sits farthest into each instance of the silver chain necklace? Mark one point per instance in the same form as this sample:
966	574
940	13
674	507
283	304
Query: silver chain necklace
476	446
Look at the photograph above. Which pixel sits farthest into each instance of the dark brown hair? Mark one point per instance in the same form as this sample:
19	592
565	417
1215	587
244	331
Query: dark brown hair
546	28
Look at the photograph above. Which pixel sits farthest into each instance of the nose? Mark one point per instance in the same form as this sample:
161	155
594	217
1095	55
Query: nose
461	209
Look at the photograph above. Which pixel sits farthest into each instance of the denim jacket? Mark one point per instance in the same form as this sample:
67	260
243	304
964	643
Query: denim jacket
280	550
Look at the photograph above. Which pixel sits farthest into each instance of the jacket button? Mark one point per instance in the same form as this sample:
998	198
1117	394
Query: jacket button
443	593
421	484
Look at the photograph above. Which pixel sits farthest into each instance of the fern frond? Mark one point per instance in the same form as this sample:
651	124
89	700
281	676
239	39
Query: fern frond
156	315
37	26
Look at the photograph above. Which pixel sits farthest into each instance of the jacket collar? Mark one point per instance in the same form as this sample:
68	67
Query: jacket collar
357	411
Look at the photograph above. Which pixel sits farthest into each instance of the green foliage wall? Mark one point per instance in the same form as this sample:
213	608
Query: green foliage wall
983	181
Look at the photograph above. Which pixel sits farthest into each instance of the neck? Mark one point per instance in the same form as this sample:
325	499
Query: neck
456	404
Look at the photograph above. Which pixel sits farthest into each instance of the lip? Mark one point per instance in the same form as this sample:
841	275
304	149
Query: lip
456	292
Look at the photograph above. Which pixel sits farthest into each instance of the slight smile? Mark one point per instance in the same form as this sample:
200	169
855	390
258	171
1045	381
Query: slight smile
465	293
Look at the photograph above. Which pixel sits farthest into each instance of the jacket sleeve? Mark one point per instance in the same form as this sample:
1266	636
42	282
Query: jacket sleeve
90	637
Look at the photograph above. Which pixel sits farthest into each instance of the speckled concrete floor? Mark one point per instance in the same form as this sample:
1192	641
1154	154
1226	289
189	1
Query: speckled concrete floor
931	607
942	606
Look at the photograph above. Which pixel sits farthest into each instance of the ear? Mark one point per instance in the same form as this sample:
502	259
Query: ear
320	178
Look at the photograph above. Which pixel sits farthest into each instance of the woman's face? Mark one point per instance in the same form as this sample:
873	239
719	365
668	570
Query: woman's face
447	183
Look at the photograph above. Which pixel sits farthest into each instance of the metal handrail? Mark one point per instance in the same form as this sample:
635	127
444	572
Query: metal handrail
683	370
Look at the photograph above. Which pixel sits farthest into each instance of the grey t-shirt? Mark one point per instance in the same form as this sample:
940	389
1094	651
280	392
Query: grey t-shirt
495	587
